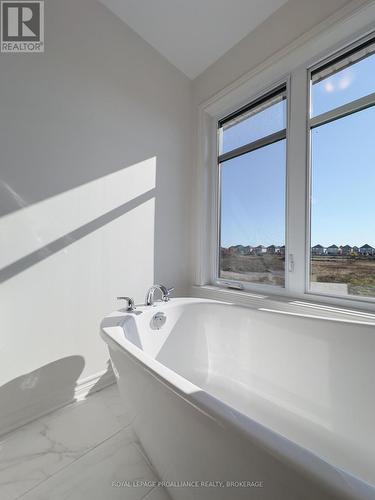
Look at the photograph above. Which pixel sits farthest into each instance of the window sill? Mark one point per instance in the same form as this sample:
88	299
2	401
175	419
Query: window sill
305	305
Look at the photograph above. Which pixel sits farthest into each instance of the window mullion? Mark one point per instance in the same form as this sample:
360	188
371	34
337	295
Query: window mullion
297	184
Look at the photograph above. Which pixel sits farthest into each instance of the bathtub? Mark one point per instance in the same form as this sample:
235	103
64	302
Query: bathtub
234	402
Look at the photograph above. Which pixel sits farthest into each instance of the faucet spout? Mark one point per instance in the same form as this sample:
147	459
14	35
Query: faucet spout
165	293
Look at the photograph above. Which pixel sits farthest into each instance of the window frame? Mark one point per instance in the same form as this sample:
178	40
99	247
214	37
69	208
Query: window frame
291	65
313	122
280	86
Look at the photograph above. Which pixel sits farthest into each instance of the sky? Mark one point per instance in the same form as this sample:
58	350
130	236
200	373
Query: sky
343	170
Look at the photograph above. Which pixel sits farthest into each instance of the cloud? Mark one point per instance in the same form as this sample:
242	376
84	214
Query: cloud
345	81
329	87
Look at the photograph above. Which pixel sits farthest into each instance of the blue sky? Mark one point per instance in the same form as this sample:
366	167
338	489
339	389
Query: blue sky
343	180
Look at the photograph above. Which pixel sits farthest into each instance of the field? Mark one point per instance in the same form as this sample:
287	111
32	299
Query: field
357	272
266	269
349	275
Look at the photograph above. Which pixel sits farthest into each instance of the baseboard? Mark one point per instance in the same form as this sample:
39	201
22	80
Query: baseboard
42	406
94	383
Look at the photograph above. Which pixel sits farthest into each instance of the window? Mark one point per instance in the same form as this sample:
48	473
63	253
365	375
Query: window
252	167
293	217
342	134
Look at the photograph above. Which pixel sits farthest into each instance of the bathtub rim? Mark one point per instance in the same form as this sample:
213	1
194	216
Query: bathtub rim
301	459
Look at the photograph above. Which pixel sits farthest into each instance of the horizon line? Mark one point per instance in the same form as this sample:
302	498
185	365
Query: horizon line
312	246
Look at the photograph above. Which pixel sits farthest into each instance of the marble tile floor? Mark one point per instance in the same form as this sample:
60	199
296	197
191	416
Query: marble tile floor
84	451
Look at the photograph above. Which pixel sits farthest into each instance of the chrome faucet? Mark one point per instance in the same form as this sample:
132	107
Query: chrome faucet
130	301
165	293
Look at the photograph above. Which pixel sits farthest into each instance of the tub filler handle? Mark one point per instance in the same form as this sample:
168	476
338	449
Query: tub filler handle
130	301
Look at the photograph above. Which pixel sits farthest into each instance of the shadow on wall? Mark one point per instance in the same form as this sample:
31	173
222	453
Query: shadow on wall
33	394
52	249
93	197
37	232
54	246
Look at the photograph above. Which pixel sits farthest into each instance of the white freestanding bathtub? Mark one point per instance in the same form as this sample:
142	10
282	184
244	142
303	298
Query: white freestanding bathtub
232	403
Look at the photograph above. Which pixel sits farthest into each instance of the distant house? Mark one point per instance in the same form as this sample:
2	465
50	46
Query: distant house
318	250
271	249
282	250
242	250
239	249
333	250
366	250
260	250
355	249
346	250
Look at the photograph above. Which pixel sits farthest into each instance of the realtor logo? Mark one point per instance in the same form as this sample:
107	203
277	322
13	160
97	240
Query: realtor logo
22	26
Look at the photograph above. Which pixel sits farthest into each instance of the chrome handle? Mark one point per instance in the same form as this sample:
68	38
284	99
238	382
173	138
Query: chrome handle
130	302
167	293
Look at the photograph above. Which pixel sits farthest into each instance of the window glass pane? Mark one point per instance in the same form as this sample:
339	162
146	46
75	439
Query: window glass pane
256	124
350	83
343	206
253	216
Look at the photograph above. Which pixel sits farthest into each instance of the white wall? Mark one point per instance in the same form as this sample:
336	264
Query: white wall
94	184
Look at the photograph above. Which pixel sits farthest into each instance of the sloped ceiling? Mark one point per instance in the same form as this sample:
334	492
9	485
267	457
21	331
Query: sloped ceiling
193	34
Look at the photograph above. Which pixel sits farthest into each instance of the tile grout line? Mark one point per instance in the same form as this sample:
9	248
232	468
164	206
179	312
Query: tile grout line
73	461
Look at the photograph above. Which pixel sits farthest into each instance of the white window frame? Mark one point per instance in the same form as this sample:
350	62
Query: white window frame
291	66
316	121
236	284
